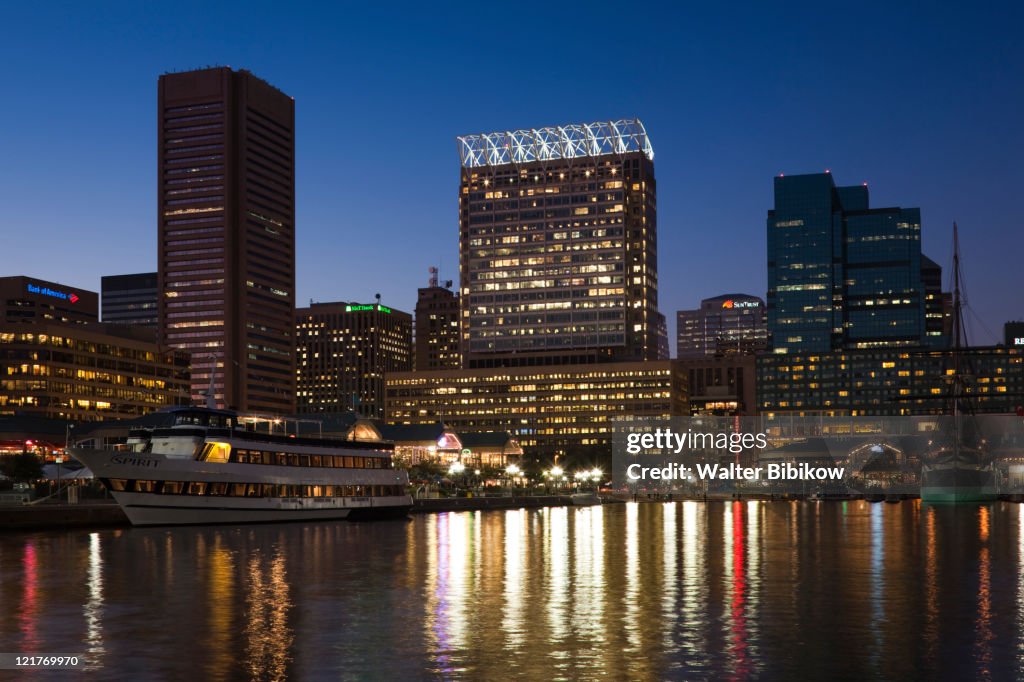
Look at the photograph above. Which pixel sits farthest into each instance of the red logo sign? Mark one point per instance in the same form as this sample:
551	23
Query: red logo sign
73	298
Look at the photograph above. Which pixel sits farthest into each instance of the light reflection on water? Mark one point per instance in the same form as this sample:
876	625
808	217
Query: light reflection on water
736	590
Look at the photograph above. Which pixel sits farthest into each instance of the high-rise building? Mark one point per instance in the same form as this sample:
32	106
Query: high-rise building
731	323
226	191
558	246
344	351
938	305
437	328
661	334
842	274
35	301
130	299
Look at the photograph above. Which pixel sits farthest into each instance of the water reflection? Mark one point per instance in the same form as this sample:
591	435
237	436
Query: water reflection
92	612
268	638
644	591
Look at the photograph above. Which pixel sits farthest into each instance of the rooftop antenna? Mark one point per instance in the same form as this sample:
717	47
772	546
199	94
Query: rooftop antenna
433	275
378	298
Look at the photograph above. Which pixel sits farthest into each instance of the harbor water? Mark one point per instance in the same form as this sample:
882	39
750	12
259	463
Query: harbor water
641	591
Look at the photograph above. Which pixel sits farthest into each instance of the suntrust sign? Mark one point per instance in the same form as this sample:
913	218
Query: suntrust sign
731	304
47	291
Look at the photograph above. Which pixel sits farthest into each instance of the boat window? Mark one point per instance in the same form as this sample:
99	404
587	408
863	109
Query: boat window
216	452
314	460
197	488
144	486
217	489
172	488
303	460
117	484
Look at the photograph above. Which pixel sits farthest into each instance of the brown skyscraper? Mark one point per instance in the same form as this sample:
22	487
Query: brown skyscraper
437	328
226	189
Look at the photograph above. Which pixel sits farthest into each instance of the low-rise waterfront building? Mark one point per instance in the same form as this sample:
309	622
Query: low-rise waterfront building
87	372
558	410
888	381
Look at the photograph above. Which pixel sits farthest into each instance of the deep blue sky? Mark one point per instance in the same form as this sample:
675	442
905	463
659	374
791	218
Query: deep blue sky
925	104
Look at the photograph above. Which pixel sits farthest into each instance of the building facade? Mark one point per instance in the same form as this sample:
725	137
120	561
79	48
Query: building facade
87	372
226	215
842	274
35	301
558	246
722	385
1013	333
731	323
437	329
887	381
344	351
130	299
550	411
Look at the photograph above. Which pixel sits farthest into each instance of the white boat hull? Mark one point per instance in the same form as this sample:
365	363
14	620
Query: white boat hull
145	509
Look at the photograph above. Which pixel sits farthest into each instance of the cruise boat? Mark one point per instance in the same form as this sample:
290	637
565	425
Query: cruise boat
207	466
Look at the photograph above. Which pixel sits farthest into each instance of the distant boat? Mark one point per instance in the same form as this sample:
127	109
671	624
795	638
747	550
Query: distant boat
958	469
584	499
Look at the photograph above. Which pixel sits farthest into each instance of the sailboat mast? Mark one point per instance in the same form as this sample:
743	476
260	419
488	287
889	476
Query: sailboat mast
957	320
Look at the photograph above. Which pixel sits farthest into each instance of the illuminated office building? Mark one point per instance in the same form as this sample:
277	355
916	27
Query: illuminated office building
558	246
842	275
226	243
35	301
564	410
731	323
87	372
437	328
938	305
887	381
344	351
130	299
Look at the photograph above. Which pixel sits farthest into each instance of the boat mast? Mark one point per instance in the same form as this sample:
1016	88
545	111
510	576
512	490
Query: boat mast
958	380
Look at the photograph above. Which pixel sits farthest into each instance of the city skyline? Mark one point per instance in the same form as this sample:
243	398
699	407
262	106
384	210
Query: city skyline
715	158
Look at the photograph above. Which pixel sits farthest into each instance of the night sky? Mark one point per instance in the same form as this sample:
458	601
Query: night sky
925	104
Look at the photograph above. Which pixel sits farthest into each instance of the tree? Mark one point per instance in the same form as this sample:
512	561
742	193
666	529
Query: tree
22	467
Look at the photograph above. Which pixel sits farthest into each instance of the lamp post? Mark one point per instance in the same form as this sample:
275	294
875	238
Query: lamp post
511	471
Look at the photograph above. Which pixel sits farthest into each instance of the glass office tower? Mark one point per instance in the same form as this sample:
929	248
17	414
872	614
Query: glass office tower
840	273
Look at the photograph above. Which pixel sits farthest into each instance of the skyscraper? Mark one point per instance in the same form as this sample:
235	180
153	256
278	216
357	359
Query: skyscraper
558	246
344	351
226	192
130	299
437	327
730	323
842	274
